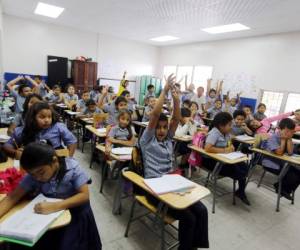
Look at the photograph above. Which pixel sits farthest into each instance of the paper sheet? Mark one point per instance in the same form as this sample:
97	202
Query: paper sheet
122	151
233	155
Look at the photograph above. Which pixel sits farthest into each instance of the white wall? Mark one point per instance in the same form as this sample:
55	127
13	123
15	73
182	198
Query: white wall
273	61
27	44
1	41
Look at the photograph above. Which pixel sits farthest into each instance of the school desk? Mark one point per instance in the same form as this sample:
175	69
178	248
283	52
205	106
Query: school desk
173	200
63	220
218	167
96	135
9	163
141	125
288	160
121	162
207	121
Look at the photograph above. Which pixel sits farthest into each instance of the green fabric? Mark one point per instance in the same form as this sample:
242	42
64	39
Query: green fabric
144	82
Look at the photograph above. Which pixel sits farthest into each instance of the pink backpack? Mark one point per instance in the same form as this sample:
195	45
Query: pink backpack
199	141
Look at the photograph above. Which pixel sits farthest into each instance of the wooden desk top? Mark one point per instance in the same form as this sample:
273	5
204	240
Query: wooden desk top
101	147
173	200
87	120
218	157
287	158
186	138
95	131
61	221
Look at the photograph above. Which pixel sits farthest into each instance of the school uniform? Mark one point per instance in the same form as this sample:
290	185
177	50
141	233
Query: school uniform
237	171
149	94
230	109
81	104
237	130
189	95
212	112
42	89
158	160
19	120
94	95
292	179
19	101
200	100
119	133
259	116
197	119
86	111
82	232
52	98
146	117
57	136
69	98
113	113
182	130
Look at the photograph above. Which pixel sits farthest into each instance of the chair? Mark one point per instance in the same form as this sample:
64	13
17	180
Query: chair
160	211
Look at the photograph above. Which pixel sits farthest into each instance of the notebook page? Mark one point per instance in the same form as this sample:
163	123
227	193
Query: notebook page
233	155
26	224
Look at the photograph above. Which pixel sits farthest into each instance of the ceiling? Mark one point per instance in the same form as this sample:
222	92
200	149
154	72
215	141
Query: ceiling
141	20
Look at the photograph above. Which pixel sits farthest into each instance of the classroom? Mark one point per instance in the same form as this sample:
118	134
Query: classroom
149	124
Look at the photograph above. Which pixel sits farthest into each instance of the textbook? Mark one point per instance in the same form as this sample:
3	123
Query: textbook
233	155
244	138
26	227
122	151
169	183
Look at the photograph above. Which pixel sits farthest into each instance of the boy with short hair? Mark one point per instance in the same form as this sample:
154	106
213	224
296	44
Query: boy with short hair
81	104
239	126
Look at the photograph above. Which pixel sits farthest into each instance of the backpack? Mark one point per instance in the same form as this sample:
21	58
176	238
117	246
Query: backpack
195	158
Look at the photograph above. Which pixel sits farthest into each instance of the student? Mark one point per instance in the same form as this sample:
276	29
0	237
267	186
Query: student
121	134
189	91
200	99
218	141
23	91
213	94
130	103
90	109
41	124
248	111
260	114
70	98
281	143
60	178
157	150
81	104
231	104
186	104
149	108
213	111
42	89
297	119
123	84
195	114
20	117
55	96
150	91
265	126
112	108
239	127
95	93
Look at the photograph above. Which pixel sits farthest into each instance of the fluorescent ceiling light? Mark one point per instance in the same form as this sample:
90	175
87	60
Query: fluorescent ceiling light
226	28
164	38
48	10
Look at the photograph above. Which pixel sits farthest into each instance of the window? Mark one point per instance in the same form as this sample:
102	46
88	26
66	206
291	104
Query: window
195	74
292	102
201	74
182	72
273	101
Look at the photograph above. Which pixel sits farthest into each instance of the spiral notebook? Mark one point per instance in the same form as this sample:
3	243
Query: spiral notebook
26	227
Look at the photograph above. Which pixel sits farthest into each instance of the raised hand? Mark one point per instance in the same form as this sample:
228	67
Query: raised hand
170	81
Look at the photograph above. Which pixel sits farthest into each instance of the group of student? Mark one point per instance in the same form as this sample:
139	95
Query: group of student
37	133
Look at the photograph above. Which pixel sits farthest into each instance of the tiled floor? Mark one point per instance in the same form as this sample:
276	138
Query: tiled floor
257	227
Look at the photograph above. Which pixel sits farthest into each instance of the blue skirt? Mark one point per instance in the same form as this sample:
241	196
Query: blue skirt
80	234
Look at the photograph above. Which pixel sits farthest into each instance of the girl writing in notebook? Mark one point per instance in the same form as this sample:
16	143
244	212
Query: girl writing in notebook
121	134
157	153
60	178
41	124
218	141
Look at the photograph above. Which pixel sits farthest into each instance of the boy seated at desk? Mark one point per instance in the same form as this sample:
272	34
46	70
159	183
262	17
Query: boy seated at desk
90	109
185	127
81	104
150	93
239	126
149	108
281	143
216	109
55	96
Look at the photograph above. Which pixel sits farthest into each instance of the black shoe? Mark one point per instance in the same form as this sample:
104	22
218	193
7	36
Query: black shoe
285	194
243	198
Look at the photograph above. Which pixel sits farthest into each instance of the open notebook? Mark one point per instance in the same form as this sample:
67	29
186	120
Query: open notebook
233	155
25	226
122	151
168	184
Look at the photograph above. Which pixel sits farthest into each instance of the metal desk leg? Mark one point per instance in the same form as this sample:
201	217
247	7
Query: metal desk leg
93	147
118	192
283	172
214	176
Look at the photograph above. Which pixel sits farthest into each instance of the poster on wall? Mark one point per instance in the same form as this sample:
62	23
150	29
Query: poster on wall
240	82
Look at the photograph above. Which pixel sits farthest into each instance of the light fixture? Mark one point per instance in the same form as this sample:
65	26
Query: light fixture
164	38
226	28
48	10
